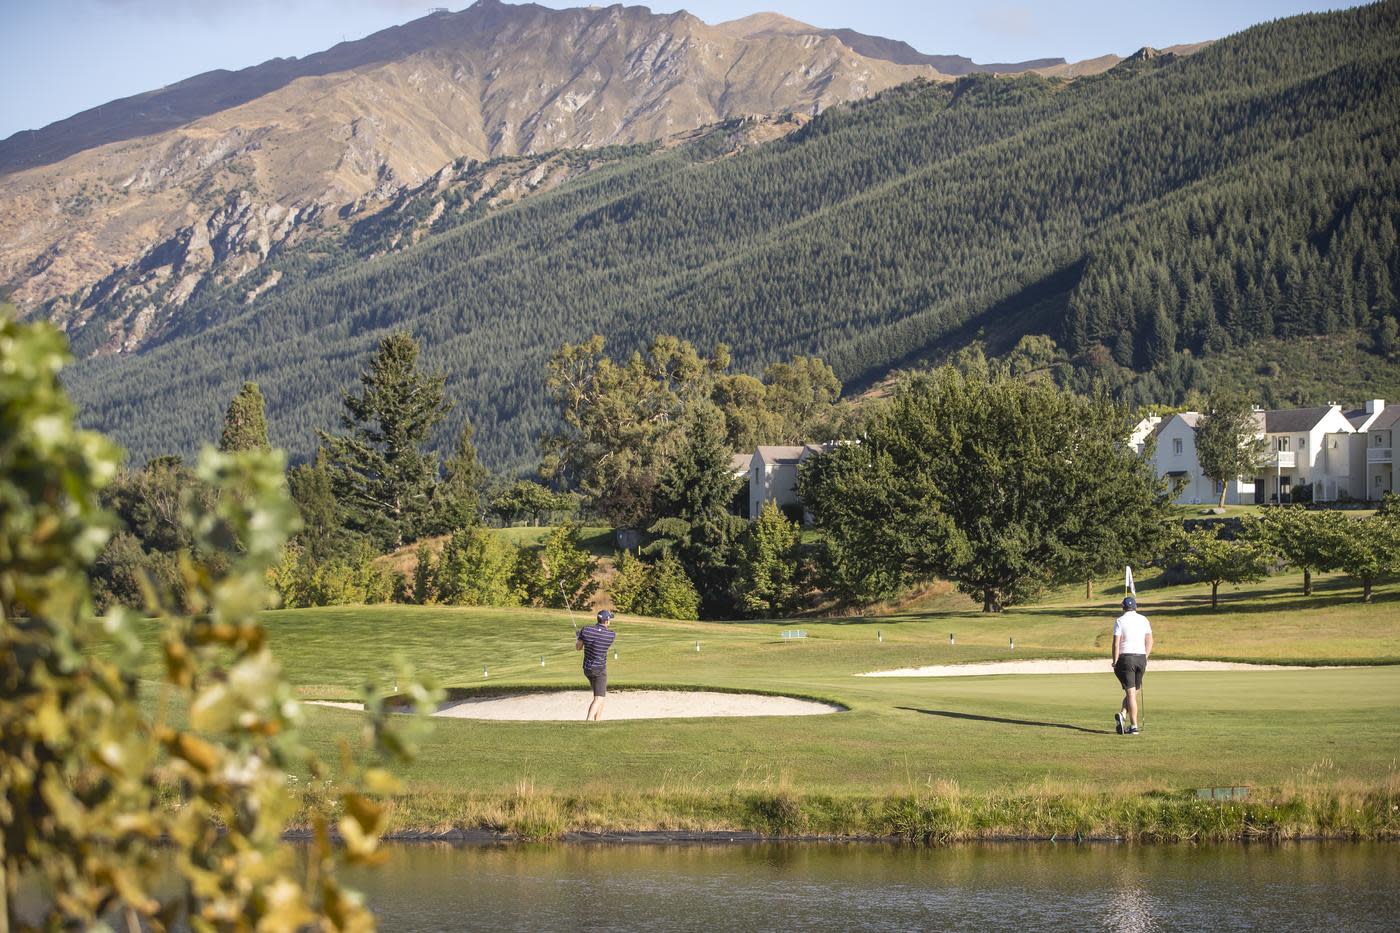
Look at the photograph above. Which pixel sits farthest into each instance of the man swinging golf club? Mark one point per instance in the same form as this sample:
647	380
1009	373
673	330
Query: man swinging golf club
594	641
1132	643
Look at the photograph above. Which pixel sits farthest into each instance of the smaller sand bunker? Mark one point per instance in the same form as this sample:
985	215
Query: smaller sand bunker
989	668
564	705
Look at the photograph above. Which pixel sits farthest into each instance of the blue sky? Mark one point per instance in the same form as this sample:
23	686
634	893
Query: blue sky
58	57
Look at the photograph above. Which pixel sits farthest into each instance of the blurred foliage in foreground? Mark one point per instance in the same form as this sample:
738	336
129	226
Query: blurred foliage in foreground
87	774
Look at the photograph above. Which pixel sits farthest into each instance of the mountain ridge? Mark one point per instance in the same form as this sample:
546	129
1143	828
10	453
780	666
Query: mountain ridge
1153	222
366	119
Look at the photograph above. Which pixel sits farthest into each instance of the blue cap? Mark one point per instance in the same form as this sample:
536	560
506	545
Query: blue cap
604	615
1129	603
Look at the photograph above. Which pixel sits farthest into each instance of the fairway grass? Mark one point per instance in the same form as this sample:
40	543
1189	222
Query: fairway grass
935	759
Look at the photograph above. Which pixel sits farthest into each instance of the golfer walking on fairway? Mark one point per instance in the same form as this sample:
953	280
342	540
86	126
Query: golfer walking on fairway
1132	643
594	641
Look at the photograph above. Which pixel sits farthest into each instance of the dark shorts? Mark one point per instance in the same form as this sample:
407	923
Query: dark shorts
1130	668
598	680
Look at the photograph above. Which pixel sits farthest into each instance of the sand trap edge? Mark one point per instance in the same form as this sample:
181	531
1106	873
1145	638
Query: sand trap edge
565	705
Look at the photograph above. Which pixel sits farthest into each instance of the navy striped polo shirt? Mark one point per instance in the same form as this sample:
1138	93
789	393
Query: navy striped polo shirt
597	639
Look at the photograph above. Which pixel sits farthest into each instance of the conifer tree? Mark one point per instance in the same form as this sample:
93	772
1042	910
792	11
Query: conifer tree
693	518
457	498
767	573
245	422
322	533
382	476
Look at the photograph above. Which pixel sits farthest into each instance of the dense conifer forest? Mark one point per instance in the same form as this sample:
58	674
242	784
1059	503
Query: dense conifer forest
1168	212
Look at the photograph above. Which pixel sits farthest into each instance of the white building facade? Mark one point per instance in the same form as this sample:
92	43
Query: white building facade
1312	454
1376	456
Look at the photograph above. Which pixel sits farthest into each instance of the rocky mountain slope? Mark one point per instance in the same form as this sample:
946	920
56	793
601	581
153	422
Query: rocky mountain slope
1150	227
127	210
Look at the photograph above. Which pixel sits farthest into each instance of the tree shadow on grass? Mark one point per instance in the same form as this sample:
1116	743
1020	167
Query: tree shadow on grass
1007	722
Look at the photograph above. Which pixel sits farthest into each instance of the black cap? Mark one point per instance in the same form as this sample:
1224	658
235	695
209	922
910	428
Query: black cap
1129	603
604	615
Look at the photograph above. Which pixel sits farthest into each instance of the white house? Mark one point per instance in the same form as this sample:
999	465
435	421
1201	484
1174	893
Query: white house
1377	463
1143	430
1308	446
1175	458
773	474
1362	418
1314	447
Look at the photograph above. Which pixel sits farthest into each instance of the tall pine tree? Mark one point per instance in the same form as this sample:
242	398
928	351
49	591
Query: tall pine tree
245	422
457	499
693	518
382	476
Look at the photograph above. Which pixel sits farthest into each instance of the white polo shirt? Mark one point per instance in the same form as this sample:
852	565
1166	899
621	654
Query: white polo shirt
1134	628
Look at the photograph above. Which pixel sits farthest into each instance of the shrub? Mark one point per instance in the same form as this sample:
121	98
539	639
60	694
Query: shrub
477	568
671	595
559	574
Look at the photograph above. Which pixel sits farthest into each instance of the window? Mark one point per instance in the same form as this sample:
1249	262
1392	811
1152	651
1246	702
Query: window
1378	481
1302	443
1282	444
1176	446
1378	443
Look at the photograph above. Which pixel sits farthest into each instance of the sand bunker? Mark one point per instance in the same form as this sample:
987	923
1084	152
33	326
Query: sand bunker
563	705
1065	667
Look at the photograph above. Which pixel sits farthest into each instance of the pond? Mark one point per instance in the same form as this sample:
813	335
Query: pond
1298	886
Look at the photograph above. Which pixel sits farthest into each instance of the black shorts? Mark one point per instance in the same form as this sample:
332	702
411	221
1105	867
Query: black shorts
598	680
1130	668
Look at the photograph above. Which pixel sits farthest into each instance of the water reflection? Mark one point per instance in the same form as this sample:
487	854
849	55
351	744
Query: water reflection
1021	888
866	887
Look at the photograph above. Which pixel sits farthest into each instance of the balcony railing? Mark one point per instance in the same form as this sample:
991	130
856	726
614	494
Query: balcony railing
1378	454
1284	459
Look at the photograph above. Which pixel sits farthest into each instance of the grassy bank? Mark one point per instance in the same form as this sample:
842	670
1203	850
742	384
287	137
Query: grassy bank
927	758
938	816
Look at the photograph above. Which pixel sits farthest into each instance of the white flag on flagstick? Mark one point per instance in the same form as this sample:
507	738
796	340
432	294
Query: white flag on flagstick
1128	580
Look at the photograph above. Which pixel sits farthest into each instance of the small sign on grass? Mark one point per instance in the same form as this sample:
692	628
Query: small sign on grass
1222	793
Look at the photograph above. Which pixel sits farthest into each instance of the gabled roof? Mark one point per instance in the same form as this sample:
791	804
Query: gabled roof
1387	420
1294	420
739	463
1362	418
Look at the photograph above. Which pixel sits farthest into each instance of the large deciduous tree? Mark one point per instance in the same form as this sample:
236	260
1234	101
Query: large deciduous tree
245	422
382	477
1001	486
1228	441
621	421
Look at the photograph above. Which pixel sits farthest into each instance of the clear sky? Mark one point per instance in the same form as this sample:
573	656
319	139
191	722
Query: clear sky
58	57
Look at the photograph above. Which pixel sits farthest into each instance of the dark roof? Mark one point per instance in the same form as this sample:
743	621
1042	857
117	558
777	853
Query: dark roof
1387	419
1289	420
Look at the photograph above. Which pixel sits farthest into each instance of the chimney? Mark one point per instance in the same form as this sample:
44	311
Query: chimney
1375	406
